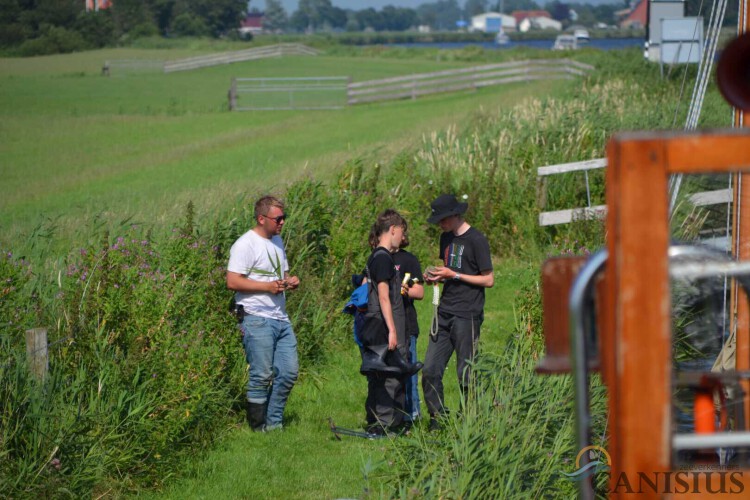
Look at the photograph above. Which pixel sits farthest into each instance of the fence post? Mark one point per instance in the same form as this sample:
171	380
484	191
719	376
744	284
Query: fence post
36	352
233	95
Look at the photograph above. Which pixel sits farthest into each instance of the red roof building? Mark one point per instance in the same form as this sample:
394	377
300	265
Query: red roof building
520	15
637	17
98	4
252	23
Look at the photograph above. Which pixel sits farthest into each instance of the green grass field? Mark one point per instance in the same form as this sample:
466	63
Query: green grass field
305	460
77	147
79	150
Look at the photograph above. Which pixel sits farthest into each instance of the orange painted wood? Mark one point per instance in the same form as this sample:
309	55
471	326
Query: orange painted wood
742	251
642	307
636	339
558	274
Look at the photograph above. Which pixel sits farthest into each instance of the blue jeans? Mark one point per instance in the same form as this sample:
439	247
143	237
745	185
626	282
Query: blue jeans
412	385
271	352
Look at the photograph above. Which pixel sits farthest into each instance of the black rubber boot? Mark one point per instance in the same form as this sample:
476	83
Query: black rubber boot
374	361
395	359
256	415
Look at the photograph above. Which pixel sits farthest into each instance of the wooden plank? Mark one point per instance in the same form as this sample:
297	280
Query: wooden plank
706	198
426	76
432	83
235	56
461	71
574	214
638	237
558	274
36	352
571	167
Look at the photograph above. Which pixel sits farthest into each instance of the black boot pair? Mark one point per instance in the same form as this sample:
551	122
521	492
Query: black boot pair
378	359
256	415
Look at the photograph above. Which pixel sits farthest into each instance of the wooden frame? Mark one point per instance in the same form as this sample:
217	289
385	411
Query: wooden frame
636	337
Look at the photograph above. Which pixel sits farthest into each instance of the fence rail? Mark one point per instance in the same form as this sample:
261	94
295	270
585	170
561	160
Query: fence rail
278	50
413	86
324	92
701	199
130	66
400	87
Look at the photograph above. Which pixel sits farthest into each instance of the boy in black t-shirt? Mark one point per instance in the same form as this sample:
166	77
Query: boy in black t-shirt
466	272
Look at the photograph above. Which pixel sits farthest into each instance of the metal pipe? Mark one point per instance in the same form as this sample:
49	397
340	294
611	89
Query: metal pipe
579	358
714	440
725	267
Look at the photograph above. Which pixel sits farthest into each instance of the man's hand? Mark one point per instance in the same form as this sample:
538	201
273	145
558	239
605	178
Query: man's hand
276	287
292	282
439	273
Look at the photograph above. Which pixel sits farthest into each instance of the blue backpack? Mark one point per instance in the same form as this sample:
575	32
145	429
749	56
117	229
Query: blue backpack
357	307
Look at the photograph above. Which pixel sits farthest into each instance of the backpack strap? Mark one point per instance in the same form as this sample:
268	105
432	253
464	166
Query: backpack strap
371	288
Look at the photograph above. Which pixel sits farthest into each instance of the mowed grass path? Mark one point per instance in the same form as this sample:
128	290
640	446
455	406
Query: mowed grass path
77	147
305	461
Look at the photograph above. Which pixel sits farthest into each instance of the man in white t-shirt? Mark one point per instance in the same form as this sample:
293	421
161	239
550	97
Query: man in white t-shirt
258	272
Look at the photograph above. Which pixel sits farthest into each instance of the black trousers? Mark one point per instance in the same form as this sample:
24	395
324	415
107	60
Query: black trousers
454	334
386	401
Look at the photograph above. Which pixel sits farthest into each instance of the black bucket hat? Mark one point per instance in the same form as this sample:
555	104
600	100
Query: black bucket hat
444	206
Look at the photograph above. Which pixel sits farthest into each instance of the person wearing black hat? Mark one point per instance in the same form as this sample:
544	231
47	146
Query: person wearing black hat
465	273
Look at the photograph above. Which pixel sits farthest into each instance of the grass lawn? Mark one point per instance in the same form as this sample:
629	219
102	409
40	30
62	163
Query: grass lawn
79	149
305	460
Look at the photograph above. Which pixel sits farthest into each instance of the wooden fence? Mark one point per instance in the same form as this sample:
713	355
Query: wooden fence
413	86
401	87
279	50
702	199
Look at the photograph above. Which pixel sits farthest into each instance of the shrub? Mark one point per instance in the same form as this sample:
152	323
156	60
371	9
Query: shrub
96	28
53	40
187	24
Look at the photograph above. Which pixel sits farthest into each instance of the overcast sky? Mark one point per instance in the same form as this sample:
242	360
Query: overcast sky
291	5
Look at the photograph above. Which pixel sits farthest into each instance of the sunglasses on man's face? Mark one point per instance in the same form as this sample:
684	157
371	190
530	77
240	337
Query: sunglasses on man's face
277	220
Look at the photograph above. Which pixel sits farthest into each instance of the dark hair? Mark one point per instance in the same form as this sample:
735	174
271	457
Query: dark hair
384	222
264	204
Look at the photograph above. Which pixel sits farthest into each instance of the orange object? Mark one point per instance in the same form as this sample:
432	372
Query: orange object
705	415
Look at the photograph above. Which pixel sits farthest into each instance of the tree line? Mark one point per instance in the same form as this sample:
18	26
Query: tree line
32	27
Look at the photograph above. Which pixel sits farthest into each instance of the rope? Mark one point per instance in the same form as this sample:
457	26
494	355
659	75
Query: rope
701	84
435	304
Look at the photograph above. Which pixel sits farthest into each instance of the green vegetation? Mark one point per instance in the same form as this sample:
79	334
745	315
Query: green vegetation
145	369
113	147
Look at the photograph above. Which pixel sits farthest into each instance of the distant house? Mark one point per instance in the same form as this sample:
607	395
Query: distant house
534	19
490	22
520	15
545	23
97	5
252	24
636	17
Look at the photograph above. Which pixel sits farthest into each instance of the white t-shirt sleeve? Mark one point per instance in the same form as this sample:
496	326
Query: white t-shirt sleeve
241	257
